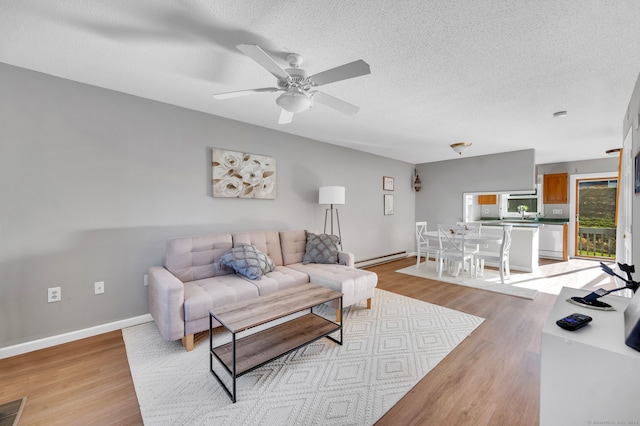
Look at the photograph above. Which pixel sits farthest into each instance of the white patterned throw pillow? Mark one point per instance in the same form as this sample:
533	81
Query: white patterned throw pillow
322	248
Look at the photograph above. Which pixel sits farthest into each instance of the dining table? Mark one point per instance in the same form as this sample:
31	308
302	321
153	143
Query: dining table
472	237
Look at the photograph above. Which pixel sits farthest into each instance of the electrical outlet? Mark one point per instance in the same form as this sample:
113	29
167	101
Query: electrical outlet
54	294
99	287
146	279
486	211
557	211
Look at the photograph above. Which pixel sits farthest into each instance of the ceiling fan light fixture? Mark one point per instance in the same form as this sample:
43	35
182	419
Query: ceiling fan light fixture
297	85
460	147
294	101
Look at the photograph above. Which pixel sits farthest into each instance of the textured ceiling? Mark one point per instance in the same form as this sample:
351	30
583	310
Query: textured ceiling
488	72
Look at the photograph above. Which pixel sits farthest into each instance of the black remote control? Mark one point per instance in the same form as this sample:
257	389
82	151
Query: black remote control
574	321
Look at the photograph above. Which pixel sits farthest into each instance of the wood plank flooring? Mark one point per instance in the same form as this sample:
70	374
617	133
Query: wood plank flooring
491	378
86	382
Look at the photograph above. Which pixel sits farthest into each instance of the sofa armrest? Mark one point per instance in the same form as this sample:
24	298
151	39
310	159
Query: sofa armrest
166	302
346	258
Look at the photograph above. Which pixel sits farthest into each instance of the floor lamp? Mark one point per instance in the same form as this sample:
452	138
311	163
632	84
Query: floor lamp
332	195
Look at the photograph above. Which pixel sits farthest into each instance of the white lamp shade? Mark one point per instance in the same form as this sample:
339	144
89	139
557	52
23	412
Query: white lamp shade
331	195
294	101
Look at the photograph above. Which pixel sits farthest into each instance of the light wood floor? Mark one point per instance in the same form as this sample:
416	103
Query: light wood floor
86	382
491	378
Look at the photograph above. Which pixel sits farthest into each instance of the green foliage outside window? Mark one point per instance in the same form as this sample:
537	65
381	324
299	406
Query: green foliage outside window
597	207
530	204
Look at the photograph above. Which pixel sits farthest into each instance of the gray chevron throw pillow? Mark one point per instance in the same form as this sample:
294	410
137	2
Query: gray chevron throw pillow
322	248
248	261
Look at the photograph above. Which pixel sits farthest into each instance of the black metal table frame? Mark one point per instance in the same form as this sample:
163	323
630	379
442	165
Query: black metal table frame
234	376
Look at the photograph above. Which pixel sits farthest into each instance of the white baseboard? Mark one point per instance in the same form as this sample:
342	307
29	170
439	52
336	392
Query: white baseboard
381	259
47	342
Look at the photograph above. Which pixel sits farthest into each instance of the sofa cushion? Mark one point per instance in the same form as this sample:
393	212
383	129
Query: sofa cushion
267	242
280	279
322	248
202	295
195	258
293	245
247	261
355	284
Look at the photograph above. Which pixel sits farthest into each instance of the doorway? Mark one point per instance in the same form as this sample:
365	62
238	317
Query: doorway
595	213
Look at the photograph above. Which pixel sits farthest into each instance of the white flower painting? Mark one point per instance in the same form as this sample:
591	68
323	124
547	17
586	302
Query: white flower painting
241	175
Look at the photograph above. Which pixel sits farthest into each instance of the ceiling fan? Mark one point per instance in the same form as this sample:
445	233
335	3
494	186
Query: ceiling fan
297	86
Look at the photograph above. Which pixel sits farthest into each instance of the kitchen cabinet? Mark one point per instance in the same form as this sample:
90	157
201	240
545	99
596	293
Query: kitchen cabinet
555	188
553	241
487	199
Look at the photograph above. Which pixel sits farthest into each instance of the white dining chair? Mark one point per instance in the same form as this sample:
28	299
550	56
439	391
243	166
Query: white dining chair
425	247
453	250
475	229
501	258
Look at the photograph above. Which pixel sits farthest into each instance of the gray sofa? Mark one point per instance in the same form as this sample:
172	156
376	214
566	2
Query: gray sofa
192	279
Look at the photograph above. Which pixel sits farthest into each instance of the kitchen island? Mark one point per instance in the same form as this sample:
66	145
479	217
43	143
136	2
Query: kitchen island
525	240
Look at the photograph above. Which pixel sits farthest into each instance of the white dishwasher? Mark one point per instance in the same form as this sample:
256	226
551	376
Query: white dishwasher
552	241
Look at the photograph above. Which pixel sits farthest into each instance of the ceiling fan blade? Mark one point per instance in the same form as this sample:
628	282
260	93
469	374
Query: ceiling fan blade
343	72
238	93
263	59
335	103
285	116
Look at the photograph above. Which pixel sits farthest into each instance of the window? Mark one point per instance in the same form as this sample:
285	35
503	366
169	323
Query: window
510	204
530	204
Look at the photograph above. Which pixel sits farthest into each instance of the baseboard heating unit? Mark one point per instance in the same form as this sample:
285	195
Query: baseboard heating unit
380	259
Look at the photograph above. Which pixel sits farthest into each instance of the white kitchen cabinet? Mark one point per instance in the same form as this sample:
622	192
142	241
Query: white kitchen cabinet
552	241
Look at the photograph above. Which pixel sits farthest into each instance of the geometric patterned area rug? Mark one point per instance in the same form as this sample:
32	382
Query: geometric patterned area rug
386	351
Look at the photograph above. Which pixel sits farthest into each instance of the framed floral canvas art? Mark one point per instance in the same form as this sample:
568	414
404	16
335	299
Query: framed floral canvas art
243	175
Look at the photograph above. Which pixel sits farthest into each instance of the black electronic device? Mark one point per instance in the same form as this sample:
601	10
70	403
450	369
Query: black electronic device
591	300
632	323
574	321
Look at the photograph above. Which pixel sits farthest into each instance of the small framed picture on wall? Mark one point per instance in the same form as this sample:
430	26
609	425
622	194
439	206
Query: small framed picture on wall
388	204
387	183
637	174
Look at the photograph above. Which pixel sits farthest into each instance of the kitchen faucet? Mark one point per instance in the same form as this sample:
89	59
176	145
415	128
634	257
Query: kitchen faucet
521	210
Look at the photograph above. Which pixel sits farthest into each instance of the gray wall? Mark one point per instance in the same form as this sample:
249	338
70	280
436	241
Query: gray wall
602	165
93	182
444	182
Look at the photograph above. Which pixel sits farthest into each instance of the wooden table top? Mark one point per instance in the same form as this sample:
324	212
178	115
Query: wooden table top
240	316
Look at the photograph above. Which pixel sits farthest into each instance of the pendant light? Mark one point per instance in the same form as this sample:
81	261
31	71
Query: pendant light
417	184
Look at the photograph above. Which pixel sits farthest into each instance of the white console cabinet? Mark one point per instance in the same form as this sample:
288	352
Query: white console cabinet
588	376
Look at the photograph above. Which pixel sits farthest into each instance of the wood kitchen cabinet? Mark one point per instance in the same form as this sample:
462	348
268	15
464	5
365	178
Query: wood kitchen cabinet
487	199
555	188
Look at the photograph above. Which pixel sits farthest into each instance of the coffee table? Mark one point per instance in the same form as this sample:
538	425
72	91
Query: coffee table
245	354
